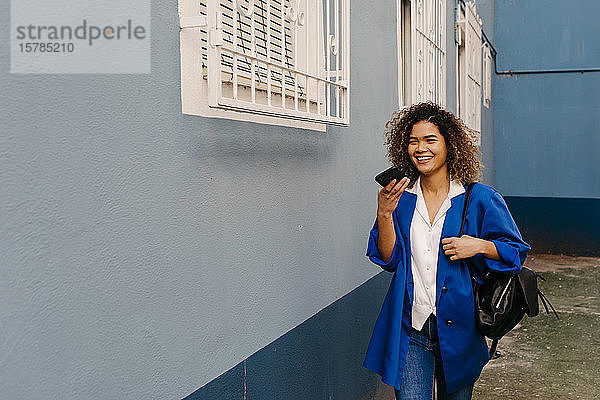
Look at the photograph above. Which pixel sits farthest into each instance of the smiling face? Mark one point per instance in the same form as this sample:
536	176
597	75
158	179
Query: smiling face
427	149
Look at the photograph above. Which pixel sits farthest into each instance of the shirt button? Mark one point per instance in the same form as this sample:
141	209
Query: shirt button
444	289
449	322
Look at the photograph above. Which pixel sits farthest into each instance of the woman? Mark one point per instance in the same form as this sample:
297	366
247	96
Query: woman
426	330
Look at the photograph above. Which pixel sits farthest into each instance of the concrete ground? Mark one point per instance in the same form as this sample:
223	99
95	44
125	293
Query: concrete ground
543	358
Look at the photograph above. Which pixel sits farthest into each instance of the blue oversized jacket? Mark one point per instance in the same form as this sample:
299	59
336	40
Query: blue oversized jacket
464	350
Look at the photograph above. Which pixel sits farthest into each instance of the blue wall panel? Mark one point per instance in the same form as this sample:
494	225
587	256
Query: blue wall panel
547	125
547	137
547	34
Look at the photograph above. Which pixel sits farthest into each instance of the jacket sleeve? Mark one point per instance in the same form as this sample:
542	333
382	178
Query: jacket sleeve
499	227
373	251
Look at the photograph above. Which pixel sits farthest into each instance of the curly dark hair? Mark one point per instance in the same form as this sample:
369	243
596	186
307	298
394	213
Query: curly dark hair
463	155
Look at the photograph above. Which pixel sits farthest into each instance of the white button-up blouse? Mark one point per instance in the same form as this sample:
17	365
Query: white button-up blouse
425	246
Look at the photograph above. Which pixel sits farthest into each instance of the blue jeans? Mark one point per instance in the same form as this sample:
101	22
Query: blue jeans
424	365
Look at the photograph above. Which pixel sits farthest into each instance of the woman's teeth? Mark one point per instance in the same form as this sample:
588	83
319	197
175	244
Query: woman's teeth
424	158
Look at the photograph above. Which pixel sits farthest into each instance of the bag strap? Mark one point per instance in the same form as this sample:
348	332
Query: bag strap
465	207
462	225
473	280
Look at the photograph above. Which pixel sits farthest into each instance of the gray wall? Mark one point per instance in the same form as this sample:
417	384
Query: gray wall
144	251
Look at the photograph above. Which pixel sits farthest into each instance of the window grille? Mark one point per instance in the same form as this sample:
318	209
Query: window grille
285	58
422	51
469	68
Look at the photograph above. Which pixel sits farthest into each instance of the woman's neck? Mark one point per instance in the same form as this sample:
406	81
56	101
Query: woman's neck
437	184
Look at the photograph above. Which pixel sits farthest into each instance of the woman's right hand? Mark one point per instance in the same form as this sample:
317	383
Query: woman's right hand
388	197
387	200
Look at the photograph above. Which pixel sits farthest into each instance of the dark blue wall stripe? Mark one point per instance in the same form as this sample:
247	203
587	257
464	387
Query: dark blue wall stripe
320	359
558	225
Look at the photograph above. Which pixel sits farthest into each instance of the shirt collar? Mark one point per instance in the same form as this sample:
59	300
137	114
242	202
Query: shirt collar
455	189
420	207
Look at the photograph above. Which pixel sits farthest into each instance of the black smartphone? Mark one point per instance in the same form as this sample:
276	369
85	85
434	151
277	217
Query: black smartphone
385	177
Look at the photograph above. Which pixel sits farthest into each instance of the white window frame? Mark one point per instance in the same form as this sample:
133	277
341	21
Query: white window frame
469	65
421	46
213	89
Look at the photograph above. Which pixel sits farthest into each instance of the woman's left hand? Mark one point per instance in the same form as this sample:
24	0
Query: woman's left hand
462	247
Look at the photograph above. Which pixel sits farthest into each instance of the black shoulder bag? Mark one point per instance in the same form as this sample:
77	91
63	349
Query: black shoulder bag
503	299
